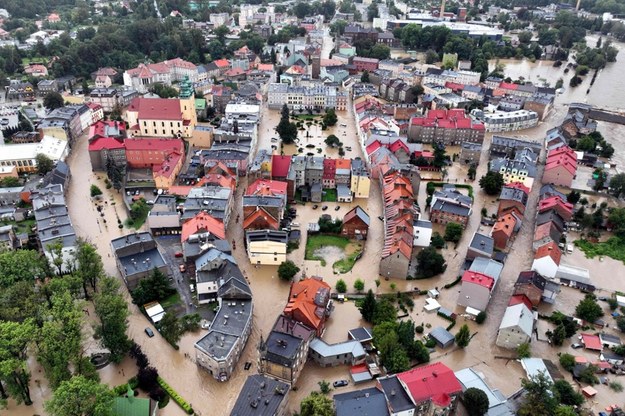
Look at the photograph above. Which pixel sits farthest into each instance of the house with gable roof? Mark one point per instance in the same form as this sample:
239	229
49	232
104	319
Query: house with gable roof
560	166
309	303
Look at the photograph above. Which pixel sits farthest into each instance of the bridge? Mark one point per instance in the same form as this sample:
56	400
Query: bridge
601	114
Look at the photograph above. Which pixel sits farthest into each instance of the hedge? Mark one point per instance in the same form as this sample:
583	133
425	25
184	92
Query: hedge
454	283
451	325
172	393
120	390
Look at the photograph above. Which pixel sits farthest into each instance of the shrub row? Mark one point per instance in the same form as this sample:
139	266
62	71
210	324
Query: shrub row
172	393
445	317
454	283
451	325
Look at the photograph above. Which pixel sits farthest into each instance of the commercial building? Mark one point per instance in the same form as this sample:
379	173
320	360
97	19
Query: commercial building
219	351
22	156
507	121
319	97
266	247
450	127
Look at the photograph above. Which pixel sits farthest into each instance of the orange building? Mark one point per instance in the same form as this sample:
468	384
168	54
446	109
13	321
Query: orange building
309	303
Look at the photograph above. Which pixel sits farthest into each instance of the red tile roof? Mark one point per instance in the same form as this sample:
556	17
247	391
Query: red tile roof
508	86
506	224
307	301
398	144
516	299
166	168
154	144
156	108
266	187
343	164
262	216
565	209
435	382
108	143
373	146
203	222
591	342
222	63
518	185
280	166
550	249
479	279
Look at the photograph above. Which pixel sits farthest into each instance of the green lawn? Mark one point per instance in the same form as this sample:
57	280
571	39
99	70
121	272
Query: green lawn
613	247
329	195
22	226
343	265
170	301
346	264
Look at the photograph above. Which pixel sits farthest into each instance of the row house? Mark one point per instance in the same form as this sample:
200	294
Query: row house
499	121
451	127
513	195
508	146
521	169
450	205
560	167
536	288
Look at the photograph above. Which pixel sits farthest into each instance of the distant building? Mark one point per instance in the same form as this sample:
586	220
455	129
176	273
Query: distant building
300	97
450	127
160	117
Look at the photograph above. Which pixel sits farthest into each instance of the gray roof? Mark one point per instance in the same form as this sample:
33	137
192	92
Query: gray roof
361	334
497	403
450	207
260	396
550	190
422	224
531	277
482	243
534	366
397	398
141	262
282	348
518	316
550	216
366	402
610	338
511	164
488	267
513	194
441	335
263	201
343	191
327	350
266	235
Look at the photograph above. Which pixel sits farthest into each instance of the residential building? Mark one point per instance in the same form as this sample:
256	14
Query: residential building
450	205
108	98
356	224
480	246
520	169
309	303
331	355
306	97
360	179
507	147
560	167
164	218
361	402
212	269
532	285
547	260
516	326
506	227
558	204
513	197
161	117
546	233
498	405
470	153
313	172
220	349
450	127
422	232
214	200
8	240
574	277
284	353
261	396
507	121
266	247
433	388
202	223
136	256
398	401
609	340
476	290
343	172
329	173
365	64
62	123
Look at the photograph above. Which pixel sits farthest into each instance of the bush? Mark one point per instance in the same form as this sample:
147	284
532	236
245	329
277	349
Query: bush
341	286
95	191
451	325
157	394
287	270
567	361
437	241
419	329
120	390
480	318
172	393
430	343
359	285
454	283
616	386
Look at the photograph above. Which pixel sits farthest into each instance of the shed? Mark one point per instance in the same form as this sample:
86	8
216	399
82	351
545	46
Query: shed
433	293
589	391
155	311
443	337
431	305
620	300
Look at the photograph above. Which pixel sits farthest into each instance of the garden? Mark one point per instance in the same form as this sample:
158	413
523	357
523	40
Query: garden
324	247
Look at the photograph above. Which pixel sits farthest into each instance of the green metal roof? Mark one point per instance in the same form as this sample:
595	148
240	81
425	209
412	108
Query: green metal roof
200	103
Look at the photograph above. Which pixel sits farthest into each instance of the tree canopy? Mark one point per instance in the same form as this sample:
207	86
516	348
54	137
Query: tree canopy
316	404
287	270
53	100
492	183
475	401
80	396
588	309
430	263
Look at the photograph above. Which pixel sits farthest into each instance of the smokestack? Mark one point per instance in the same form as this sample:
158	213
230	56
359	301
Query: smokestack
443	8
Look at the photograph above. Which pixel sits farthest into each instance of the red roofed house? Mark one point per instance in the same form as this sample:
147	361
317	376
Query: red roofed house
203	223
513	195
547	259
563	208
516	299
355	224
476	290
53	18
560	166
591	342
107	128
267	187
260	219
503	230
531	286
97	112
161	117
280	167
36	70
164	156
309	301
329	173
101	148
432	388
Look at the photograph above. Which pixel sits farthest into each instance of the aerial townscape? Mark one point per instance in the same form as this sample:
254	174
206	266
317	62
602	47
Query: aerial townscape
312	208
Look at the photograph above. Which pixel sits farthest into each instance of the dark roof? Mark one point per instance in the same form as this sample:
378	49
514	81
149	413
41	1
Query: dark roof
442	336
282	348
260	395
361	334
550	216
450	207
398	400
482	243
366	402
549	190
531	277
514	194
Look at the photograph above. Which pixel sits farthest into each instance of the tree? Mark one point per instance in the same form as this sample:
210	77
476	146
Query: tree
557	336
472	171
163	91
115	173
59	339
431	57
112	309
620	323
316	403
573	197
324	386
588	309
430	263
492	183
475	401
567	395
367	308
384	312
437	240
287	270
286	129
333	141
80	396
53	100
524	351
330	118
539	398
170	329
440	158
463	337
365	76
9	182
154	287
341	286
567	361
14	373
44	164
453	232
21	265
397	361
525	37
617	185
89	266
147	378
359	285
565	411
480	318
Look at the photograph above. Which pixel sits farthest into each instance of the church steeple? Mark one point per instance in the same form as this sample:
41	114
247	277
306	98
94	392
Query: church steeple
186	88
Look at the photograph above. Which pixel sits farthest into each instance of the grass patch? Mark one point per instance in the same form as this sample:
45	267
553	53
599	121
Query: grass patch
170	301
328	195
22	226
346	264
315	242
614	247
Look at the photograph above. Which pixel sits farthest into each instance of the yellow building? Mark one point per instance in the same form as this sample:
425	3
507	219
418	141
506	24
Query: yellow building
361	180
266	246
161	117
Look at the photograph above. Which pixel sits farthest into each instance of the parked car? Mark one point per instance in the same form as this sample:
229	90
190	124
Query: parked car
315	206
381	218
192	288
337	208
149	332
323	208
178	254
340	383
576	345
182	268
